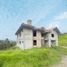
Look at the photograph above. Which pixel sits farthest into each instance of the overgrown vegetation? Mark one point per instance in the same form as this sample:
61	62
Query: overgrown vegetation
38	57
6	44
63	40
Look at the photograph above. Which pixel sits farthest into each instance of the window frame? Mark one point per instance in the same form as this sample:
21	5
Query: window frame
34	33
34	42
52	35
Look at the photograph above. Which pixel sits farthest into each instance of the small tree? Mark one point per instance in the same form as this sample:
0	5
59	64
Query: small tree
5	44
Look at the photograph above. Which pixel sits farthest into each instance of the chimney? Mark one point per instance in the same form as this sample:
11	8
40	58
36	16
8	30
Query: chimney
29	22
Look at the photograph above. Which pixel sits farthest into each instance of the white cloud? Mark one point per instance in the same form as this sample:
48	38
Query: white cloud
54	24
61	16
57	20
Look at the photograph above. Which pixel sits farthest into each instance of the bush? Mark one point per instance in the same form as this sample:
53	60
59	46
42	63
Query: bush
63	40
5	44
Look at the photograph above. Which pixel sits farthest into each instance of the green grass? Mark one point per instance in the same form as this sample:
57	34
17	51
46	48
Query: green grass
37	57
63	40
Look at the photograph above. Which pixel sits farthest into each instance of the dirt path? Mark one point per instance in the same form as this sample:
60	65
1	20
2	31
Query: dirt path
63	63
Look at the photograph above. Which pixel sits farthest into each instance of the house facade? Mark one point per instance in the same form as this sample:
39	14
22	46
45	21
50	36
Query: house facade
29	36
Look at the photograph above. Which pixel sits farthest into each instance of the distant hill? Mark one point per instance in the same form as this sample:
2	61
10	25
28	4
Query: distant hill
63	39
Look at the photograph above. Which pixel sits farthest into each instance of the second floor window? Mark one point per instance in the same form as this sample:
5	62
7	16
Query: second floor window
34	33
52	35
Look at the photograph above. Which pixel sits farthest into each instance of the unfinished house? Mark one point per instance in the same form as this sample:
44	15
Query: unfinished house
29	36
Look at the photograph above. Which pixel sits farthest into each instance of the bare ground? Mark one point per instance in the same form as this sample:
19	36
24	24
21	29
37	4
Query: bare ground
63	62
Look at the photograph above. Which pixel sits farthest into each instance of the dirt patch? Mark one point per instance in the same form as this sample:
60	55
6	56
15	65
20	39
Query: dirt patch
63	62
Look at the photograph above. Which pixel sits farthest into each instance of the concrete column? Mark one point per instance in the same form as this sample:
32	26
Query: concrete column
57	42
49	43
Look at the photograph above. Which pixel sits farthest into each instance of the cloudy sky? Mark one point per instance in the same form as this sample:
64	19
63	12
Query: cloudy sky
47	13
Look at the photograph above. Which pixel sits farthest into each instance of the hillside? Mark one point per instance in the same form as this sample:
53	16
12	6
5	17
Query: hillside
38	57
63	40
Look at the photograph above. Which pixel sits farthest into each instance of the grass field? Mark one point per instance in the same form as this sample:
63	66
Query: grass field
63	40
38	57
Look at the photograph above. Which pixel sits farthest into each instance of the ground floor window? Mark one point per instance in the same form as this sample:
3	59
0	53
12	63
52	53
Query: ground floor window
20	42
46	41
34	42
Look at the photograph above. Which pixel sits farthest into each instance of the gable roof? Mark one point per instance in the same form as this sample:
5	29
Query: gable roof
27	26
57	30
42	29
24	26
